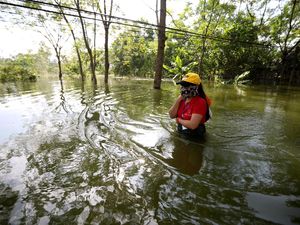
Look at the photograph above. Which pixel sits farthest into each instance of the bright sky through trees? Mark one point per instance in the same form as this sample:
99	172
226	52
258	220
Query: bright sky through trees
14	40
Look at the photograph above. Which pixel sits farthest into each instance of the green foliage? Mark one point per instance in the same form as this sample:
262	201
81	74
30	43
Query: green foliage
224	47
285	27
177	69
71	65
133	53
19	68
24	67
237	56
227	45
242	78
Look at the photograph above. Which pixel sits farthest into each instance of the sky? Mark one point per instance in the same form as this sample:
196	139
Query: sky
14	40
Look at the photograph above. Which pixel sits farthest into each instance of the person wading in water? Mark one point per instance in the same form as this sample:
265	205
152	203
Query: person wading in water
191	109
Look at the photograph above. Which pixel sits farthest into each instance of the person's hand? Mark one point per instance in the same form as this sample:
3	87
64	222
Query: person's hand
173	110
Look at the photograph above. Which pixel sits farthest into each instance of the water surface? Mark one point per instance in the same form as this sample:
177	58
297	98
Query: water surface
111	155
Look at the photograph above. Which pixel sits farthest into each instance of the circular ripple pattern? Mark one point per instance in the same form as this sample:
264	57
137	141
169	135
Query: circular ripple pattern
111	155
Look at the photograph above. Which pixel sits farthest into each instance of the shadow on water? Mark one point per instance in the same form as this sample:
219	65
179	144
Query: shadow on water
109	154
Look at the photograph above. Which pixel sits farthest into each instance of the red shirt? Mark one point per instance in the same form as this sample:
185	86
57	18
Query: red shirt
197	105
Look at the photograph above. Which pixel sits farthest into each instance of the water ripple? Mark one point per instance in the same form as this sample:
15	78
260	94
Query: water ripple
112	156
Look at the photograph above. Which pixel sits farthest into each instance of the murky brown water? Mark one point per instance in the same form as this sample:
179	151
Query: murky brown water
76	154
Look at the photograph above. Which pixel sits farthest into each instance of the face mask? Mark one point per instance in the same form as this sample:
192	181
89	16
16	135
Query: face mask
188	92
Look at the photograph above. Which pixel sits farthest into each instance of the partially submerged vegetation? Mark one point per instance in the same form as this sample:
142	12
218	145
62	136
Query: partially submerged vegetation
221	40
12	71
24	67
18	68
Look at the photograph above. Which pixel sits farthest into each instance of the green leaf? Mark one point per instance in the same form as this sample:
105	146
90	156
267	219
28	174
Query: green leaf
178	61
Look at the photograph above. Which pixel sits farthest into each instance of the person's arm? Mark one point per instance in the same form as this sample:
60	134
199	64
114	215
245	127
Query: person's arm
193	123
198	111
173	110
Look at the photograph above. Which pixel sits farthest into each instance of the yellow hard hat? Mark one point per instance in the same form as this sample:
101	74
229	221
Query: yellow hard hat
192	78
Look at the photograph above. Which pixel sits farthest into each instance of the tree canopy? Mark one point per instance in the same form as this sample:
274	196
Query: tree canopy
218	39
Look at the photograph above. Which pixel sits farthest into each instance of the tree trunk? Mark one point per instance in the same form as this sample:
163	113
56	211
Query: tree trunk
106	58
284	49
75	41
57	53
78	56
95	34
203	51
86	42
161	45
292	76
106	18
80	64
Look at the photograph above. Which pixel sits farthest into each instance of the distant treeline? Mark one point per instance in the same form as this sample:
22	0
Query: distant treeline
220	40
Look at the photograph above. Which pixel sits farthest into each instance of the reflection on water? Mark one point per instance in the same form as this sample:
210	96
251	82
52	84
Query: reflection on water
110	155
278	209
187	156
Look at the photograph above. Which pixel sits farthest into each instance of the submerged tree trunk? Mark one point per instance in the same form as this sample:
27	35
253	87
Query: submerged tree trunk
80	63
74	39
106	18
106	58
95	34
58	57
161	45
77	52
86	42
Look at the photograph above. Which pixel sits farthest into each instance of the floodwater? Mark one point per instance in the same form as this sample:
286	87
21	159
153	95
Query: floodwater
79	154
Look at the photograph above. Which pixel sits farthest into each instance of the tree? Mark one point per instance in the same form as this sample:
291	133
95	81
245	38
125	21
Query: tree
61	8
50	26
161	45
106	19
178	69
134	53
25	67
86	40
181	46
285	31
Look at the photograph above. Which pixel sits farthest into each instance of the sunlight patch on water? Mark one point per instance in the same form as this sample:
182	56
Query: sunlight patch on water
44	220
114	156
81	220
15	171
150	138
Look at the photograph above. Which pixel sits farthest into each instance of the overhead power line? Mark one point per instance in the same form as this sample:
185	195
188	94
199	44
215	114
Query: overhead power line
67	14
143	25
